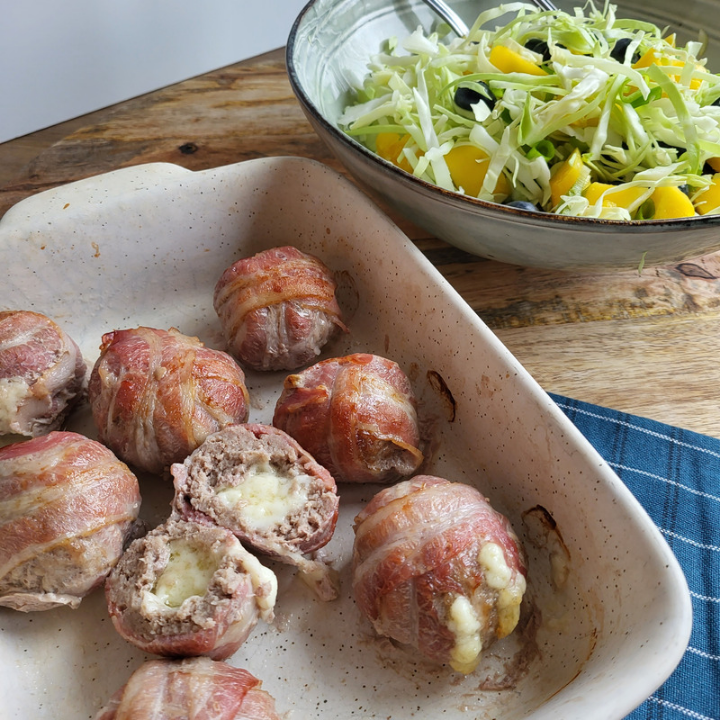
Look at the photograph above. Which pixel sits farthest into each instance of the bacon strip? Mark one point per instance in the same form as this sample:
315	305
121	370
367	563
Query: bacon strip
157	394
356	415
190	689
68	499
42	373
417	548
277	308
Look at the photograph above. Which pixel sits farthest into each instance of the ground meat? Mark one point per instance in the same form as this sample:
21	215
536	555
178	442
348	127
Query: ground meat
435	567
42	373
190	689
277	308
157	394
259	483
187	589
69	506
356	415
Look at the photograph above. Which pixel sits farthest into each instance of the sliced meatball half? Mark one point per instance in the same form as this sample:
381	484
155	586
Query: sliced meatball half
188	589
258	482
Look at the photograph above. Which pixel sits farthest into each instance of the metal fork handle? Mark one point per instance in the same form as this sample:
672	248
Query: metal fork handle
456	22
449	16
545	5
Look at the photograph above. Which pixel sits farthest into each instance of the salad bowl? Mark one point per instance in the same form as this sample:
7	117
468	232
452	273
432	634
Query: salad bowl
328	52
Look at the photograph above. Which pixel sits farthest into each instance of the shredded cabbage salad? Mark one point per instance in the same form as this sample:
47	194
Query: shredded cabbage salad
580	114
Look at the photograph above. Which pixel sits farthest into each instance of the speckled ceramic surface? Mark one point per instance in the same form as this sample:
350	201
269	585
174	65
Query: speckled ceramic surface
607	615
327	55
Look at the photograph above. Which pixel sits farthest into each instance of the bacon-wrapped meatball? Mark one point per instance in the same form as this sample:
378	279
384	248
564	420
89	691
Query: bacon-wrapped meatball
157	394
259	483
42	373
437	568
188	589
67	508
356	416
190	689
277	308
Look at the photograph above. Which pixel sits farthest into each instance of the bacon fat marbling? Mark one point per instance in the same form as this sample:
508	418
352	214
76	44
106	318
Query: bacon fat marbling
277	308
42	373
437	568
356	415
190	689
157	394
67	508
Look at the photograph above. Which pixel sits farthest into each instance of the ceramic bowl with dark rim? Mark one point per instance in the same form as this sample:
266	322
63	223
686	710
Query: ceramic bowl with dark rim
328	51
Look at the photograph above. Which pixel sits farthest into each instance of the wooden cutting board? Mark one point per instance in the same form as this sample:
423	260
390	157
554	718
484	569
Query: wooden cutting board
642	342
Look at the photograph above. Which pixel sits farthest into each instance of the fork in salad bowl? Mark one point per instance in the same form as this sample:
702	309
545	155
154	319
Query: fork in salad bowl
456	22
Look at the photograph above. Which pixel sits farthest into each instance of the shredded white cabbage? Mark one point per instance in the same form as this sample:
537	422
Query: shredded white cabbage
518	102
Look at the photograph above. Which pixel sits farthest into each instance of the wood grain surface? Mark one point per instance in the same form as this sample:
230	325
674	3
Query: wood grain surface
642	342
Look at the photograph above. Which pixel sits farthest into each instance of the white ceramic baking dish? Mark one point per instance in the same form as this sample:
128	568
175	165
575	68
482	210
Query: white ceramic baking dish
607	616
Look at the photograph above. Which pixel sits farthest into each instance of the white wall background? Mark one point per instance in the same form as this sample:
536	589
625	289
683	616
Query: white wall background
63	58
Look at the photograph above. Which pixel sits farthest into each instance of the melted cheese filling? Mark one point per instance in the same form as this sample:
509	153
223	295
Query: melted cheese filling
464	621
188	572
511	588
13	392
265	497
464	624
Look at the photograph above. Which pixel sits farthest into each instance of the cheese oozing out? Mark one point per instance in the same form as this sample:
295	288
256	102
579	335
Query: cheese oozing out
464	624
266	497
463	619
13	392
188	572
510	587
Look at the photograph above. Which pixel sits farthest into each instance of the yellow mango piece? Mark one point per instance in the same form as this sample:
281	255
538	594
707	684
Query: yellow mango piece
671	202
709	199
652	57
647	59
714	163
468	166
508	61
389	146
565	177
621	198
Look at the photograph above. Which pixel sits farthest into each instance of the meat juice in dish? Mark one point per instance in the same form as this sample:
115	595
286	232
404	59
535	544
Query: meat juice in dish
157	394
277	308
257	481
188	589
356	415
67	509
190	689
435	567
42	373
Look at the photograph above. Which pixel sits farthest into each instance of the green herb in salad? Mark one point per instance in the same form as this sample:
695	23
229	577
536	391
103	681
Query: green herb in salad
580	114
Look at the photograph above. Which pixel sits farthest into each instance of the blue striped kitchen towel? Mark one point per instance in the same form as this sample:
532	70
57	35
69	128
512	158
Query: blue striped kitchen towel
675	474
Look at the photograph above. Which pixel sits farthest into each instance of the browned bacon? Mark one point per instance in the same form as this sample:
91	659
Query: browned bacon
190	689
157	394
277	308
437	568
355	415
67	506
42	373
